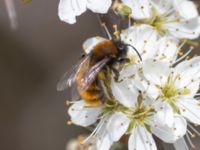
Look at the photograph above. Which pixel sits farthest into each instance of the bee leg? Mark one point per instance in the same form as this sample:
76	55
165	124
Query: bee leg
124	60
116	74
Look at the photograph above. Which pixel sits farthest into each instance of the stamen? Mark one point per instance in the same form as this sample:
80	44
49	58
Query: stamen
92	134
185	55
191	134
181	45
195	130
190	141
116	33
198	94
96	130
107	31
69	123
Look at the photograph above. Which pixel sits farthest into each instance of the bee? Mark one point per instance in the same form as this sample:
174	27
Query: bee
85	73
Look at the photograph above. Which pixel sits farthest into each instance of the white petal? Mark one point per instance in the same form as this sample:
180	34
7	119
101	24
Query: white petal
103	140
162	6
83	116
128	71
117	125
190	109
156	71
69	9
188	64
125	92
150	89
143	38
183	5
164	114
104	143
141	139
99	6
90	43
140	8
181	144
167	49
189	72
170	135
189	29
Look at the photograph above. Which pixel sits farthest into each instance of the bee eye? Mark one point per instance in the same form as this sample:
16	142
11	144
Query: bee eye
121	47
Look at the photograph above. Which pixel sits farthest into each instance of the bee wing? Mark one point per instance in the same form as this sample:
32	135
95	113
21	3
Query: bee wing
92	73
69	77
74	93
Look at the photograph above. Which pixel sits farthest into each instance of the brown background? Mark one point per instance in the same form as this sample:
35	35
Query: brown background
32	59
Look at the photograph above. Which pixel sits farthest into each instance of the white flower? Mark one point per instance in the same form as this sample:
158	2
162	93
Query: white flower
148	43
174	96
69	9
173	133
147	116
176	87
110	128
177	18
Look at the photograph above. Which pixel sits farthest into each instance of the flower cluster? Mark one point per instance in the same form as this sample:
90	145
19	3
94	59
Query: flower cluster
156	95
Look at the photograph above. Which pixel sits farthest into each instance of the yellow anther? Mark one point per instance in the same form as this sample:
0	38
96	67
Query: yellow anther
116	34
193	136
180	53
97	36
187	58
67	103
69	123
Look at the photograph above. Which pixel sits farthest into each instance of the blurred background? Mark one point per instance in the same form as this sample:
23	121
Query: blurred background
32	58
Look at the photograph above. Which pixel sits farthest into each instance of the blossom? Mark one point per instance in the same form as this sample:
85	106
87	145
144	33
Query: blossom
69	9
148	120
177	18
176	86
110	128
175	91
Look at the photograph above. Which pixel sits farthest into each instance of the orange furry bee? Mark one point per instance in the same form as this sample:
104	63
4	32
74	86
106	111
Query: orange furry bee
85	73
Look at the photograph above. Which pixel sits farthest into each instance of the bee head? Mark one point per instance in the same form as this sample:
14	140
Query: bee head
120	45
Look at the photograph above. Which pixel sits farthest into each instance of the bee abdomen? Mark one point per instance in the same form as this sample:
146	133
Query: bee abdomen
92	96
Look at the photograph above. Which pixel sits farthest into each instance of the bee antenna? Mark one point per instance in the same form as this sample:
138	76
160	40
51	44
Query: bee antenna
135	51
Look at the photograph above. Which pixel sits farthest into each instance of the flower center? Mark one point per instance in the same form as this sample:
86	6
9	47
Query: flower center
157	23
139	117
138	114
170	93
